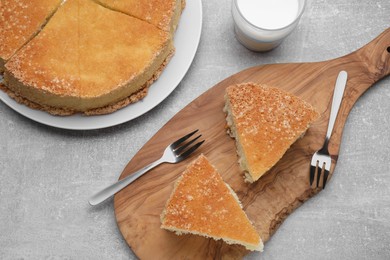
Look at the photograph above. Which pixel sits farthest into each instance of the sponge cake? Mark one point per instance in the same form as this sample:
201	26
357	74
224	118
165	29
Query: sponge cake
203	204
265	121
80	62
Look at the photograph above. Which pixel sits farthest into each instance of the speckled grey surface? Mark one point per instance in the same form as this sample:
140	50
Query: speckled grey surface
47	174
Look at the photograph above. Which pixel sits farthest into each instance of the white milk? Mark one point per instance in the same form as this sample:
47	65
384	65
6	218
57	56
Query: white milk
261	25
269	14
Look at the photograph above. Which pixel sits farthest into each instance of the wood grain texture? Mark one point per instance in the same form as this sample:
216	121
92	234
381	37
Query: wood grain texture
271	199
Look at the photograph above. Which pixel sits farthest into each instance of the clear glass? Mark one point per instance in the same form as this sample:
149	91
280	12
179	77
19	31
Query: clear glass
260	39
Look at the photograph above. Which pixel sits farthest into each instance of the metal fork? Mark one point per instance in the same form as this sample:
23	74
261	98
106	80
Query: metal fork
173	153
321	160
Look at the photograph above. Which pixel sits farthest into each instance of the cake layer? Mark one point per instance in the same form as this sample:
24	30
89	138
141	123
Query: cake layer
164	14
20	20
87	57
265	121
203	204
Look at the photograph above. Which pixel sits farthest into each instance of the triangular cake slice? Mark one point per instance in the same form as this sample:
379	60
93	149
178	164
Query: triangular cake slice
265	121
203	204
20	21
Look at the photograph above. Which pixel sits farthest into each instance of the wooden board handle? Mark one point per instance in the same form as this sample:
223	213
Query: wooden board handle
365	67
376	56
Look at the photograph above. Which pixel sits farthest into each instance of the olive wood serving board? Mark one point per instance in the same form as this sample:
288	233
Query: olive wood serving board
271	199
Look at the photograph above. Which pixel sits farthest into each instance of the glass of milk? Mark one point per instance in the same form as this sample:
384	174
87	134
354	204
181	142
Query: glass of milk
261	25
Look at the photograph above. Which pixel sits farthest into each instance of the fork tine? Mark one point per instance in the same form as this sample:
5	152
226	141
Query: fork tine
319	172
189	151
326	174
181	148
312	174
175	144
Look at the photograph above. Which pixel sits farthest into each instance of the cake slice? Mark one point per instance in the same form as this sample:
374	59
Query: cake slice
265	122
88	59
164	14
203	204
19	21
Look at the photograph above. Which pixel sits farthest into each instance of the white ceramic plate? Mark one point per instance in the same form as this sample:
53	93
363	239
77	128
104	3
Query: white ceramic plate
186	42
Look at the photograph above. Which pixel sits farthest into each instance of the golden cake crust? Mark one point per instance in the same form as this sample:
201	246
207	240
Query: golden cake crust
96	67
20	20
265	121
203	204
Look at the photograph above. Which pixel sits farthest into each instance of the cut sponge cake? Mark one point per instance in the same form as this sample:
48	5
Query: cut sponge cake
203	204
265	122
84	56
88	57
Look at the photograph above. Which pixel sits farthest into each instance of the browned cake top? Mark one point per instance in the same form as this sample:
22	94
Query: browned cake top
203	204
267	120
79	54
160	13
20	20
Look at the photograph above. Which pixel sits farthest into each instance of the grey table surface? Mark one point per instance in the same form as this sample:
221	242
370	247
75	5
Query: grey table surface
47	174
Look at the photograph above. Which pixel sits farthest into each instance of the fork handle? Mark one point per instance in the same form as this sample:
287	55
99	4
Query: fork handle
336	102
116	187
